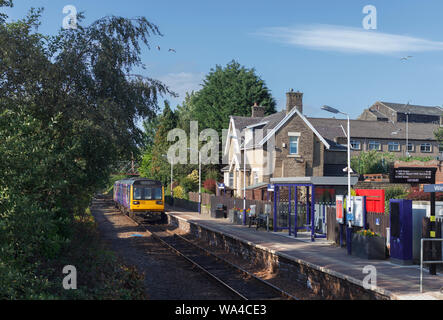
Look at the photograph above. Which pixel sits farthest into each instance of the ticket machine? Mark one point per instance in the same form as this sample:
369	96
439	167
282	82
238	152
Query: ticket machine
401	230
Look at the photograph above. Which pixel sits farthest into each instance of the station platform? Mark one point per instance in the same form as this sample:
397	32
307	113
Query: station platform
394	281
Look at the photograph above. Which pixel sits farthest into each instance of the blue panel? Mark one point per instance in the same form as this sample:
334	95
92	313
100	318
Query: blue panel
401	229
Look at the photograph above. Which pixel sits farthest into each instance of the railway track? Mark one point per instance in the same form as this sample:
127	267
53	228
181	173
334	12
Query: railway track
243	284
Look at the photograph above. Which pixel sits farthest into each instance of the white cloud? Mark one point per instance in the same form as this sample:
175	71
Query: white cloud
346	39
182	82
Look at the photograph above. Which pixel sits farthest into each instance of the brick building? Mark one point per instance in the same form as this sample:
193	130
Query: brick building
284	144
289	144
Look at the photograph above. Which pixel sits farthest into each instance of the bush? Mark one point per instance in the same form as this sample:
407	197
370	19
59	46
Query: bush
212	175
190	182
179	192
210	185
423	196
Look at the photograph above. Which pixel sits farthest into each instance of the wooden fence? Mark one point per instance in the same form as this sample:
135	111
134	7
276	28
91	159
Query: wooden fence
212	201
377	222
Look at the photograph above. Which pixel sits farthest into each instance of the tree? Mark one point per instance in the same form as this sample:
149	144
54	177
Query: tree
372	162
227	91
68	111
155	164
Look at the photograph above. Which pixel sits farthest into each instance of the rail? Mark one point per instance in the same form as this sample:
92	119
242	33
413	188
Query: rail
426	262
205	269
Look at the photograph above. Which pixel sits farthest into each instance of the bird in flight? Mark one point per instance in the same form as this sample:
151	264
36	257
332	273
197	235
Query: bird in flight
171	50
158	47
406	58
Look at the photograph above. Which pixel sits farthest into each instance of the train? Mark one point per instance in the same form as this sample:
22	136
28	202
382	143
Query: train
140	196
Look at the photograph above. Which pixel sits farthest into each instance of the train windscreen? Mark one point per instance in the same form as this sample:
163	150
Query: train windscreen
147	193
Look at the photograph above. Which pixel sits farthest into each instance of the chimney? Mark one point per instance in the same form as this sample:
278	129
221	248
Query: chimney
257	111
294	99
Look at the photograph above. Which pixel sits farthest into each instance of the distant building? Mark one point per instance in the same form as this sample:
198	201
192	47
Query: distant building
397	112
382	136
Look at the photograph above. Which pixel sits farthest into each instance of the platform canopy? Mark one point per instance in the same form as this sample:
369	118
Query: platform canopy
316	181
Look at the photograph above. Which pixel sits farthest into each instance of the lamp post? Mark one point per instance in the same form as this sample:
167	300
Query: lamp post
199	179
349	206
407	134
172	175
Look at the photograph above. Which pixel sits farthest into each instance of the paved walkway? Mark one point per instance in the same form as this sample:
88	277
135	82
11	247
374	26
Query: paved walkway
396	281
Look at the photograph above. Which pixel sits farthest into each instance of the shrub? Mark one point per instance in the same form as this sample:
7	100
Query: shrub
424	196
189	185
210	185
212	175
179	192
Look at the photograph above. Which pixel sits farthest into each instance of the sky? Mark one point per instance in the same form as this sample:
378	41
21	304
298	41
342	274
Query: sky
335	52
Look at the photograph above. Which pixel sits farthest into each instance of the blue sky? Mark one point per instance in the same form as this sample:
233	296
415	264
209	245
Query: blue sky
317	47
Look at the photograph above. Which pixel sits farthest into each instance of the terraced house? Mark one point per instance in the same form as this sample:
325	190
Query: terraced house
287	144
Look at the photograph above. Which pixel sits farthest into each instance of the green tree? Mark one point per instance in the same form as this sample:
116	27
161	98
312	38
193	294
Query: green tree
227	91
155	164
372	162
68	111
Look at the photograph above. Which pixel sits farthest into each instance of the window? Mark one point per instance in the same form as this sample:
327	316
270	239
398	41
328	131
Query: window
231	179
355	145
410	147
255	177
425	147
293	145
143	193
393	146
440	147
374	145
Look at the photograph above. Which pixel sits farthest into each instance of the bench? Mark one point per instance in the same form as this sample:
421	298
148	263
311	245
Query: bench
261	220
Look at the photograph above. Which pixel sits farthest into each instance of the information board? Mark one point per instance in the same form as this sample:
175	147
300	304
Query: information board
358	211
413	175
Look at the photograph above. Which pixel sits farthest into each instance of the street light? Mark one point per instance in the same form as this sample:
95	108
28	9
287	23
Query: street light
172	174
199	178
336	111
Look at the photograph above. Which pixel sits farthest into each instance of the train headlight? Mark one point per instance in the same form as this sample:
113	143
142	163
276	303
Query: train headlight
159	202
135	202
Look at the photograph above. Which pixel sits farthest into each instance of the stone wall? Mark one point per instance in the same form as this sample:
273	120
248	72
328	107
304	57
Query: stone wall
303	164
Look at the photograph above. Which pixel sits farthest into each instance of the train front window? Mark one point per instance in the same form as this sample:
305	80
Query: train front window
138	193
157	193
143	193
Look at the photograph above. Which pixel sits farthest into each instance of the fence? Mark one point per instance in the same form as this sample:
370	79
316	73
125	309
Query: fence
377	222
212	201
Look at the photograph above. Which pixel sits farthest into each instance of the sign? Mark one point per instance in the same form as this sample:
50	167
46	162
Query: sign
413	175
358	211
221	185
271	187
339	209
433	188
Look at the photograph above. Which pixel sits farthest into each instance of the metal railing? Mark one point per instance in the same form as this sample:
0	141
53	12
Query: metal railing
427	262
